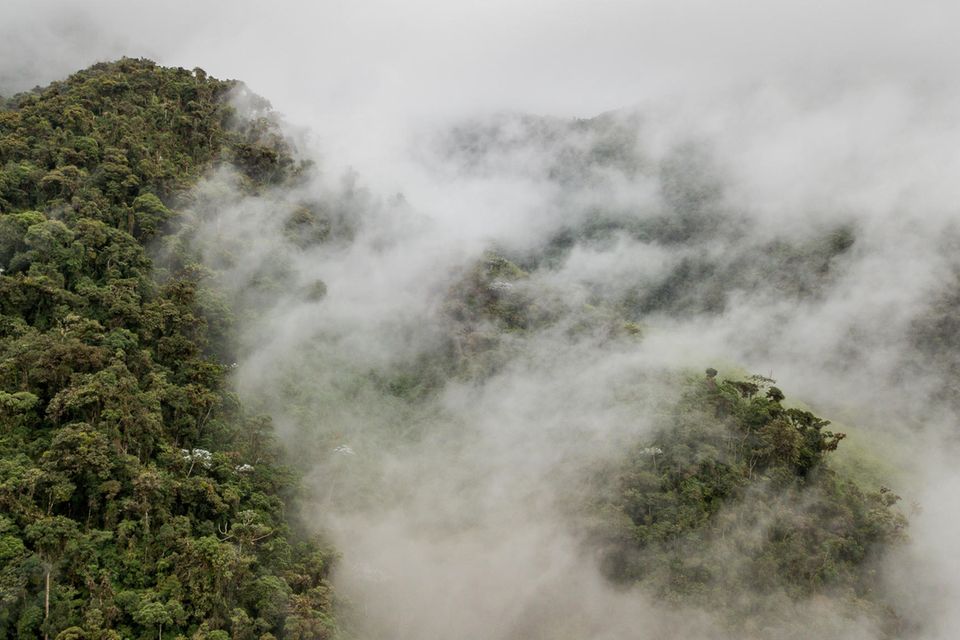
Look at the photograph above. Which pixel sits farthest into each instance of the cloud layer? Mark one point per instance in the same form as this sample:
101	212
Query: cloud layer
775	191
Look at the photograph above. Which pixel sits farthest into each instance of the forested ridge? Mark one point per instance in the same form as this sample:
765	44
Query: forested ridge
140	499
137	497
733	504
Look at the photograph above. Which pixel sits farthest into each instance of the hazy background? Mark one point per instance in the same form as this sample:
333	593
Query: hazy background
751	125
373	62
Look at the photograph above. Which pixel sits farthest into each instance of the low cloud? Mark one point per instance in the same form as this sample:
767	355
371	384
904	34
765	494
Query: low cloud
769	189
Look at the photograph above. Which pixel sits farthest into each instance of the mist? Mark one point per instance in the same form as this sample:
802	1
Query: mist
759	189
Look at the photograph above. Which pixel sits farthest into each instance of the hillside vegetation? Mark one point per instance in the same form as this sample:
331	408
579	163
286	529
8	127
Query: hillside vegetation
136	495
733	505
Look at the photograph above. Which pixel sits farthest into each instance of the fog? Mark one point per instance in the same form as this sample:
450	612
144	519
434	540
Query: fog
780	181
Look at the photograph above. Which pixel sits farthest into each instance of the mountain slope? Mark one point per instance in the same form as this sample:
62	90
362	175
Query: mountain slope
153	227
137	496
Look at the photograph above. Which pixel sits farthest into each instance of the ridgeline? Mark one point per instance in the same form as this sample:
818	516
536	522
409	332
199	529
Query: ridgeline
139	499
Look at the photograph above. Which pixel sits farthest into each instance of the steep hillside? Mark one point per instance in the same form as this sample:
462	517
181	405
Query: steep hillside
733	504
491	432
137	497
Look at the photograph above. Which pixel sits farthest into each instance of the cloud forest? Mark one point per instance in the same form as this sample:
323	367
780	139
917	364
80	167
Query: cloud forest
401	334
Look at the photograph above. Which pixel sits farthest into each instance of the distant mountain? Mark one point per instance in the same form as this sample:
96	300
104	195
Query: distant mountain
140	496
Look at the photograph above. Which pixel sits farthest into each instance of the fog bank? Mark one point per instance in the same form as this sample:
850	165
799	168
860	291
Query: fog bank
769	189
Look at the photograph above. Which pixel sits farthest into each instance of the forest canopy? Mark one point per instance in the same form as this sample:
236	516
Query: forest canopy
137	496
734	495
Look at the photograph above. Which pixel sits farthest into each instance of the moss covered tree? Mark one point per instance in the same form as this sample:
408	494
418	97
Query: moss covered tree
134	502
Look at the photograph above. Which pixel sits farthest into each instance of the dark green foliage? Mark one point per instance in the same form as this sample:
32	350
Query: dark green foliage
137	497
795	268
935	336
483	308
489	295
690	217
731	505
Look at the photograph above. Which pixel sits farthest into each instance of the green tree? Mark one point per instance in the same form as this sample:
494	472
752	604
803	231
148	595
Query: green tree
134	499
49	536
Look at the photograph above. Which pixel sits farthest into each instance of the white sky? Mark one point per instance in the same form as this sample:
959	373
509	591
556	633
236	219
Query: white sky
322	60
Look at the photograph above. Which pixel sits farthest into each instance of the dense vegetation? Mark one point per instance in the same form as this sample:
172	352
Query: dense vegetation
732	505
137	498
